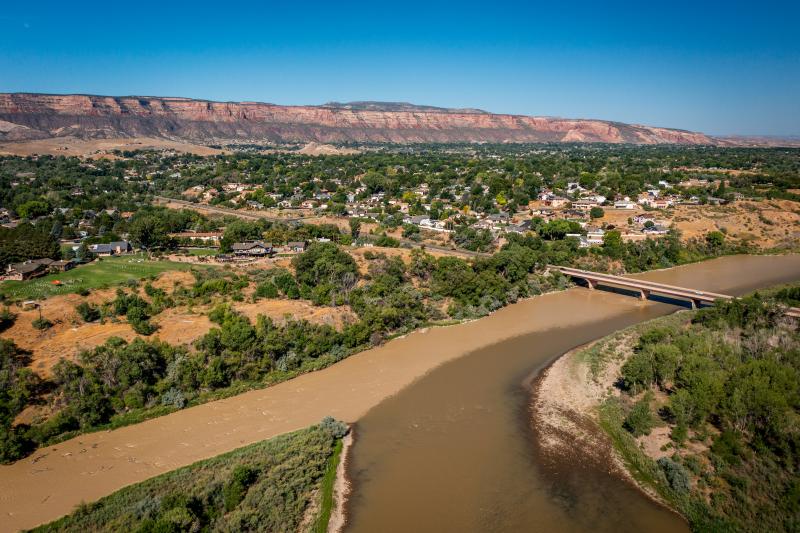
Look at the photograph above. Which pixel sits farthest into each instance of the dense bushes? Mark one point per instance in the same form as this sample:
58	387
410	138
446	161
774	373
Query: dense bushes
87	312
136	310
18	387
7	319
727	385
26	242
325	273
267	486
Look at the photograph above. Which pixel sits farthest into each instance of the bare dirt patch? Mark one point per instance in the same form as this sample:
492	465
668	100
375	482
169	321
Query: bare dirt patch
99	148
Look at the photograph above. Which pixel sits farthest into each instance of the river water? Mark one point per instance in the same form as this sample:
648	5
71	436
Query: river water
455	450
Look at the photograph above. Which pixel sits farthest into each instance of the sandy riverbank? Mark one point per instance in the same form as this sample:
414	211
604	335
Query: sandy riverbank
55	479
341	487
565	398
52	481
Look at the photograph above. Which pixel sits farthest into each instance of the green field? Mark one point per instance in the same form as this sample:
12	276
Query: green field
203	251
267	486
103	272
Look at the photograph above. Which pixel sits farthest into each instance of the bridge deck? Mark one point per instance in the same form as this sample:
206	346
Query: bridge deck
646	287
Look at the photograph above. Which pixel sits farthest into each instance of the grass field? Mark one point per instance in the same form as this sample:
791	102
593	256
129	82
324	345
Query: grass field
268	486
103	272
203	251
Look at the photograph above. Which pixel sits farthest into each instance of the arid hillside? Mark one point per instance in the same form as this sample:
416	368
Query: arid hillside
38	116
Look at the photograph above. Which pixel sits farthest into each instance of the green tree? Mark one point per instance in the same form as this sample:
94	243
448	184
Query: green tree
613	246
355	227
715	239
640	419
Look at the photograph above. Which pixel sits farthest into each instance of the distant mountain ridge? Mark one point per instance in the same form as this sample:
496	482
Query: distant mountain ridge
25	116
398	106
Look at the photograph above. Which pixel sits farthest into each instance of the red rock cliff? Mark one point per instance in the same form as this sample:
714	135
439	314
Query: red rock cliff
30	116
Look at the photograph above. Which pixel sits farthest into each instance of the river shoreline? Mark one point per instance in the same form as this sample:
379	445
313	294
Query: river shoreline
56	478
341	487
405	458
567	397
53	481
564	417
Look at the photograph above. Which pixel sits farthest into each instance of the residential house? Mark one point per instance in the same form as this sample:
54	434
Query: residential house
23	271
252	249
656	230
594	235
713	200
582	240
111	248
584	204
416	219
499	217
62	265
296	247
625	203
556	201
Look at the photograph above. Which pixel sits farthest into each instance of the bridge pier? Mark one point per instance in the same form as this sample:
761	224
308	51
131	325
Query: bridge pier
590	283
695	303
644	294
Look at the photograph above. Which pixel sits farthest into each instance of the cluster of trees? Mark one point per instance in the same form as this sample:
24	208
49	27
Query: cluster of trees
119	380
392	297
726	381
27	242
19	385
488	178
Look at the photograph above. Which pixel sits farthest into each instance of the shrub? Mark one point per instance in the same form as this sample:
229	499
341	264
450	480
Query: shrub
7	319
143	327
676	474
42	324
640	420
174	398
87	312
336	428
266	289
235	490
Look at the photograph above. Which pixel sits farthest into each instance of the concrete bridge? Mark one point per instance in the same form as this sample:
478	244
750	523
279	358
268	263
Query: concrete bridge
645	288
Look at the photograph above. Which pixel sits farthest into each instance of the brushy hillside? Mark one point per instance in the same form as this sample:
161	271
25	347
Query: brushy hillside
709	413
272	485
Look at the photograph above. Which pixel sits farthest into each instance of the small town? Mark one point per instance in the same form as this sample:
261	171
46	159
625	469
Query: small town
389	268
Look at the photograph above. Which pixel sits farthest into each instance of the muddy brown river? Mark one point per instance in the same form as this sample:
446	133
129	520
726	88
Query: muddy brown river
455	450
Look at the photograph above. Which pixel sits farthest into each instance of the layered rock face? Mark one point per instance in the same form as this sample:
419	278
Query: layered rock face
36	116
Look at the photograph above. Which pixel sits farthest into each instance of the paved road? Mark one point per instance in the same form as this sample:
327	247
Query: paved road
226	211
459	252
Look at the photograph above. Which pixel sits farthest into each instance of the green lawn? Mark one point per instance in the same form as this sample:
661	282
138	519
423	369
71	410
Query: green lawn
203	251
103	272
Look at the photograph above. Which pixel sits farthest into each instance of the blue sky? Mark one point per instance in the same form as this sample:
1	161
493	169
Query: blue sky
718	67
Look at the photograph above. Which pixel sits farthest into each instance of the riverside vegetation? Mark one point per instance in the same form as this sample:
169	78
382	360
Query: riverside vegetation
122	382
273	485
724	382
